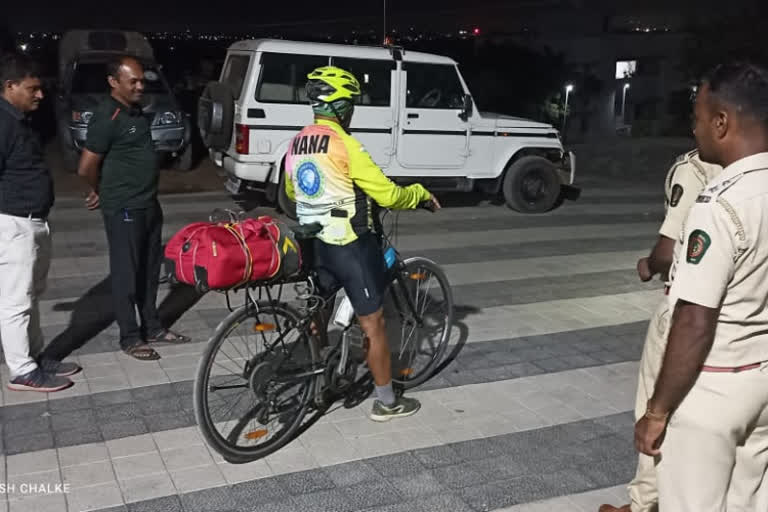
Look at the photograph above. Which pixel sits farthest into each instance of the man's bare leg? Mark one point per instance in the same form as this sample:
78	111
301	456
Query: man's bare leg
379	360
378	357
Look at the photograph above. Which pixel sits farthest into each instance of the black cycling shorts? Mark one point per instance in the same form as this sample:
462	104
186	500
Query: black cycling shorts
358	267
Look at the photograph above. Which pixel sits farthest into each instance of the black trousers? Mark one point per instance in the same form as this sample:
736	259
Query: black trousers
135	256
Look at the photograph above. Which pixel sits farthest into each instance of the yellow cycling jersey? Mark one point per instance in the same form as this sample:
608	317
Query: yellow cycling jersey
332	178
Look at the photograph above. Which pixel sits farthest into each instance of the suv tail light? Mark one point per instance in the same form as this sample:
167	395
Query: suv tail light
242	136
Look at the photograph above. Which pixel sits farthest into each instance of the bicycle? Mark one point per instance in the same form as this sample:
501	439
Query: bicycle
300	372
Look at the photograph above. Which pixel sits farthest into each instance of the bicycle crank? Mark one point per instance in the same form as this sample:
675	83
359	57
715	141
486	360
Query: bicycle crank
339	378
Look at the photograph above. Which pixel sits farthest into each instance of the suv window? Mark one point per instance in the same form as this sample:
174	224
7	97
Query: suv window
283	77
433	86
375	78
235	71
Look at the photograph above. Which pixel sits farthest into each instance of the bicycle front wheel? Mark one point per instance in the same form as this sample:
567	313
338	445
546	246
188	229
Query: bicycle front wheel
419	321
254	382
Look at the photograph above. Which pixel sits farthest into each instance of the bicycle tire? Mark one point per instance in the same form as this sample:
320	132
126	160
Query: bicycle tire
202	414
428	372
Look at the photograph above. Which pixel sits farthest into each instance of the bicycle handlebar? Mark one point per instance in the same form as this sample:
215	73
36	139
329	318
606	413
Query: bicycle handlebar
427	205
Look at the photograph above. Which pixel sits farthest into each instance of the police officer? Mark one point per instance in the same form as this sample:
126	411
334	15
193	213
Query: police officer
685	180
711	396
120	165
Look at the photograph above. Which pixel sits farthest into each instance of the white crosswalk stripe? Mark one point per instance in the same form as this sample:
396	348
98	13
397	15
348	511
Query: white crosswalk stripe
553	347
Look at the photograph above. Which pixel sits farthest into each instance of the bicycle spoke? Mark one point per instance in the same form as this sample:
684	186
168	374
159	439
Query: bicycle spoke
231	408
427	297
228	383
424	323
238	351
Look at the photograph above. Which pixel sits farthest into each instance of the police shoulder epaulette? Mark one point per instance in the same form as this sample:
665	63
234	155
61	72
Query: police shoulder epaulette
718	189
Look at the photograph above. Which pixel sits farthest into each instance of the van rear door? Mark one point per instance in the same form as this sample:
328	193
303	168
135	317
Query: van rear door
234	73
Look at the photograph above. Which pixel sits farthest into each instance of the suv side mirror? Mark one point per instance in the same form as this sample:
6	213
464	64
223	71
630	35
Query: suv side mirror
467	110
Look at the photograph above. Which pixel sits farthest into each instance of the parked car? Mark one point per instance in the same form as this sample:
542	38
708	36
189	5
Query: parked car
416	117
83	56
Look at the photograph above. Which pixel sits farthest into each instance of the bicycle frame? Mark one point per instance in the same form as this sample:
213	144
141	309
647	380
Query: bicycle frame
394	272
312	312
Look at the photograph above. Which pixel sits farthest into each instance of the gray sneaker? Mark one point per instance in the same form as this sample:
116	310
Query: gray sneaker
60	368
403	407
38	380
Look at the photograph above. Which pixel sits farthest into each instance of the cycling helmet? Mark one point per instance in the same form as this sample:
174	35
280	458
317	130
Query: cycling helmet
332	92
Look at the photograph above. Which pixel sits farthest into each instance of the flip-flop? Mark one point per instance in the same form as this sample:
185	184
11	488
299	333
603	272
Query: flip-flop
142	352
168	336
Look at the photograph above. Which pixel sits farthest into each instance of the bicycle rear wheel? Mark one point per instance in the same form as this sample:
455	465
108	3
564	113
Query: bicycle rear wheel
419	321
254	382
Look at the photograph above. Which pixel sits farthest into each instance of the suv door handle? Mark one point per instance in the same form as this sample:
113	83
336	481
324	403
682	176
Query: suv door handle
413	116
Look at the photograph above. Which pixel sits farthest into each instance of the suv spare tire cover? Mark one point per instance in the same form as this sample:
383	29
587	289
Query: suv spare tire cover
215	115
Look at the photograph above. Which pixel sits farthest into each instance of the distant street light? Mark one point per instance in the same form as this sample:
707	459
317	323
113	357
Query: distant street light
568	89
624	102
23	47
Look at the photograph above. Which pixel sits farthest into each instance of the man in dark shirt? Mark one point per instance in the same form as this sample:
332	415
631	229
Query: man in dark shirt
120	165
26	197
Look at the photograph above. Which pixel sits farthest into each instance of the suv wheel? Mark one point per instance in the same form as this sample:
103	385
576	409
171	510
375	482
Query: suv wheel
531	185
215	115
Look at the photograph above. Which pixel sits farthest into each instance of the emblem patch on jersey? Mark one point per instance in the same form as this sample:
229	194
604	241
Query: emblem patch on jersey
698	243
677	193
309	179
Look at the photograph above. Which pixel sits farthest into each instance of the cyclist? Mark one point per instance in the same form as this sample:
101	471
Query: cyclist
333	179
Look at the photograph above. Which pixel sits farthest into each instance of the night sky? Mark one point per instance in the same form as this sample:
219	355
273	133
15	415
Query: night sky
260	14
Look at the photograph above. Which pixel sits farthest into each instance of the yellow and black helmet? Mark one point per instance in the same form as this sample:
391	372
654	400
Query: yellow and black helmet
332	92
329	84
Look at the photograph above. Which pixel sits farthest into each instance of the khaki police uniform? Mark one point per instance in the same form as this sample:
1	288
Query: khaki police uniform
684	182
721	261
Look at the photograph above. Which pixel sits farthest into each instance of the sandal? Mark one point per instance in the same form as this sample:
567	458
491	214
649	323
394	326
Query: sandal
142	352
168	336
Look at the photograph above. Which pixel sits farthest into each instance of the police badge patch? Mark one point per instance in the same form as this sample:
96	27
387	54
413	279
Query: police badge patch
677	193
698	243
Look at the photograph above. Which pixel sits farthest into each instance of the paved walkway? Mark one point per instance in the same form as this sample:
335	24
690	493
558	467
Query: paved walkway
532	416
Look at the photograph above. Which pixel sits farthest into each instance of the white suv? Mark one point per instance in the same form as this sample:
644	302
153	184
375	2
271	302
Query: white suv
416	118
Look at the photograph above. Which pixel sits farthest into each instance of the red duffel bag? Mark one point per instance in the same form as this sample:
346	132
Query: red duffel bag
224	255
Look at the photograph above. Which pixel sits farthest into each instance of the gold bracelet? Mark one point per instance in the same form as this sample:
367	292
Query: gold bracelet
656	416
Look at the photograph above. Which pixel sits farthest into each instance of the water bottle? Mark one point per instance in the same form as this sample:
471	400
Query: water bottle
345	313
390	256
